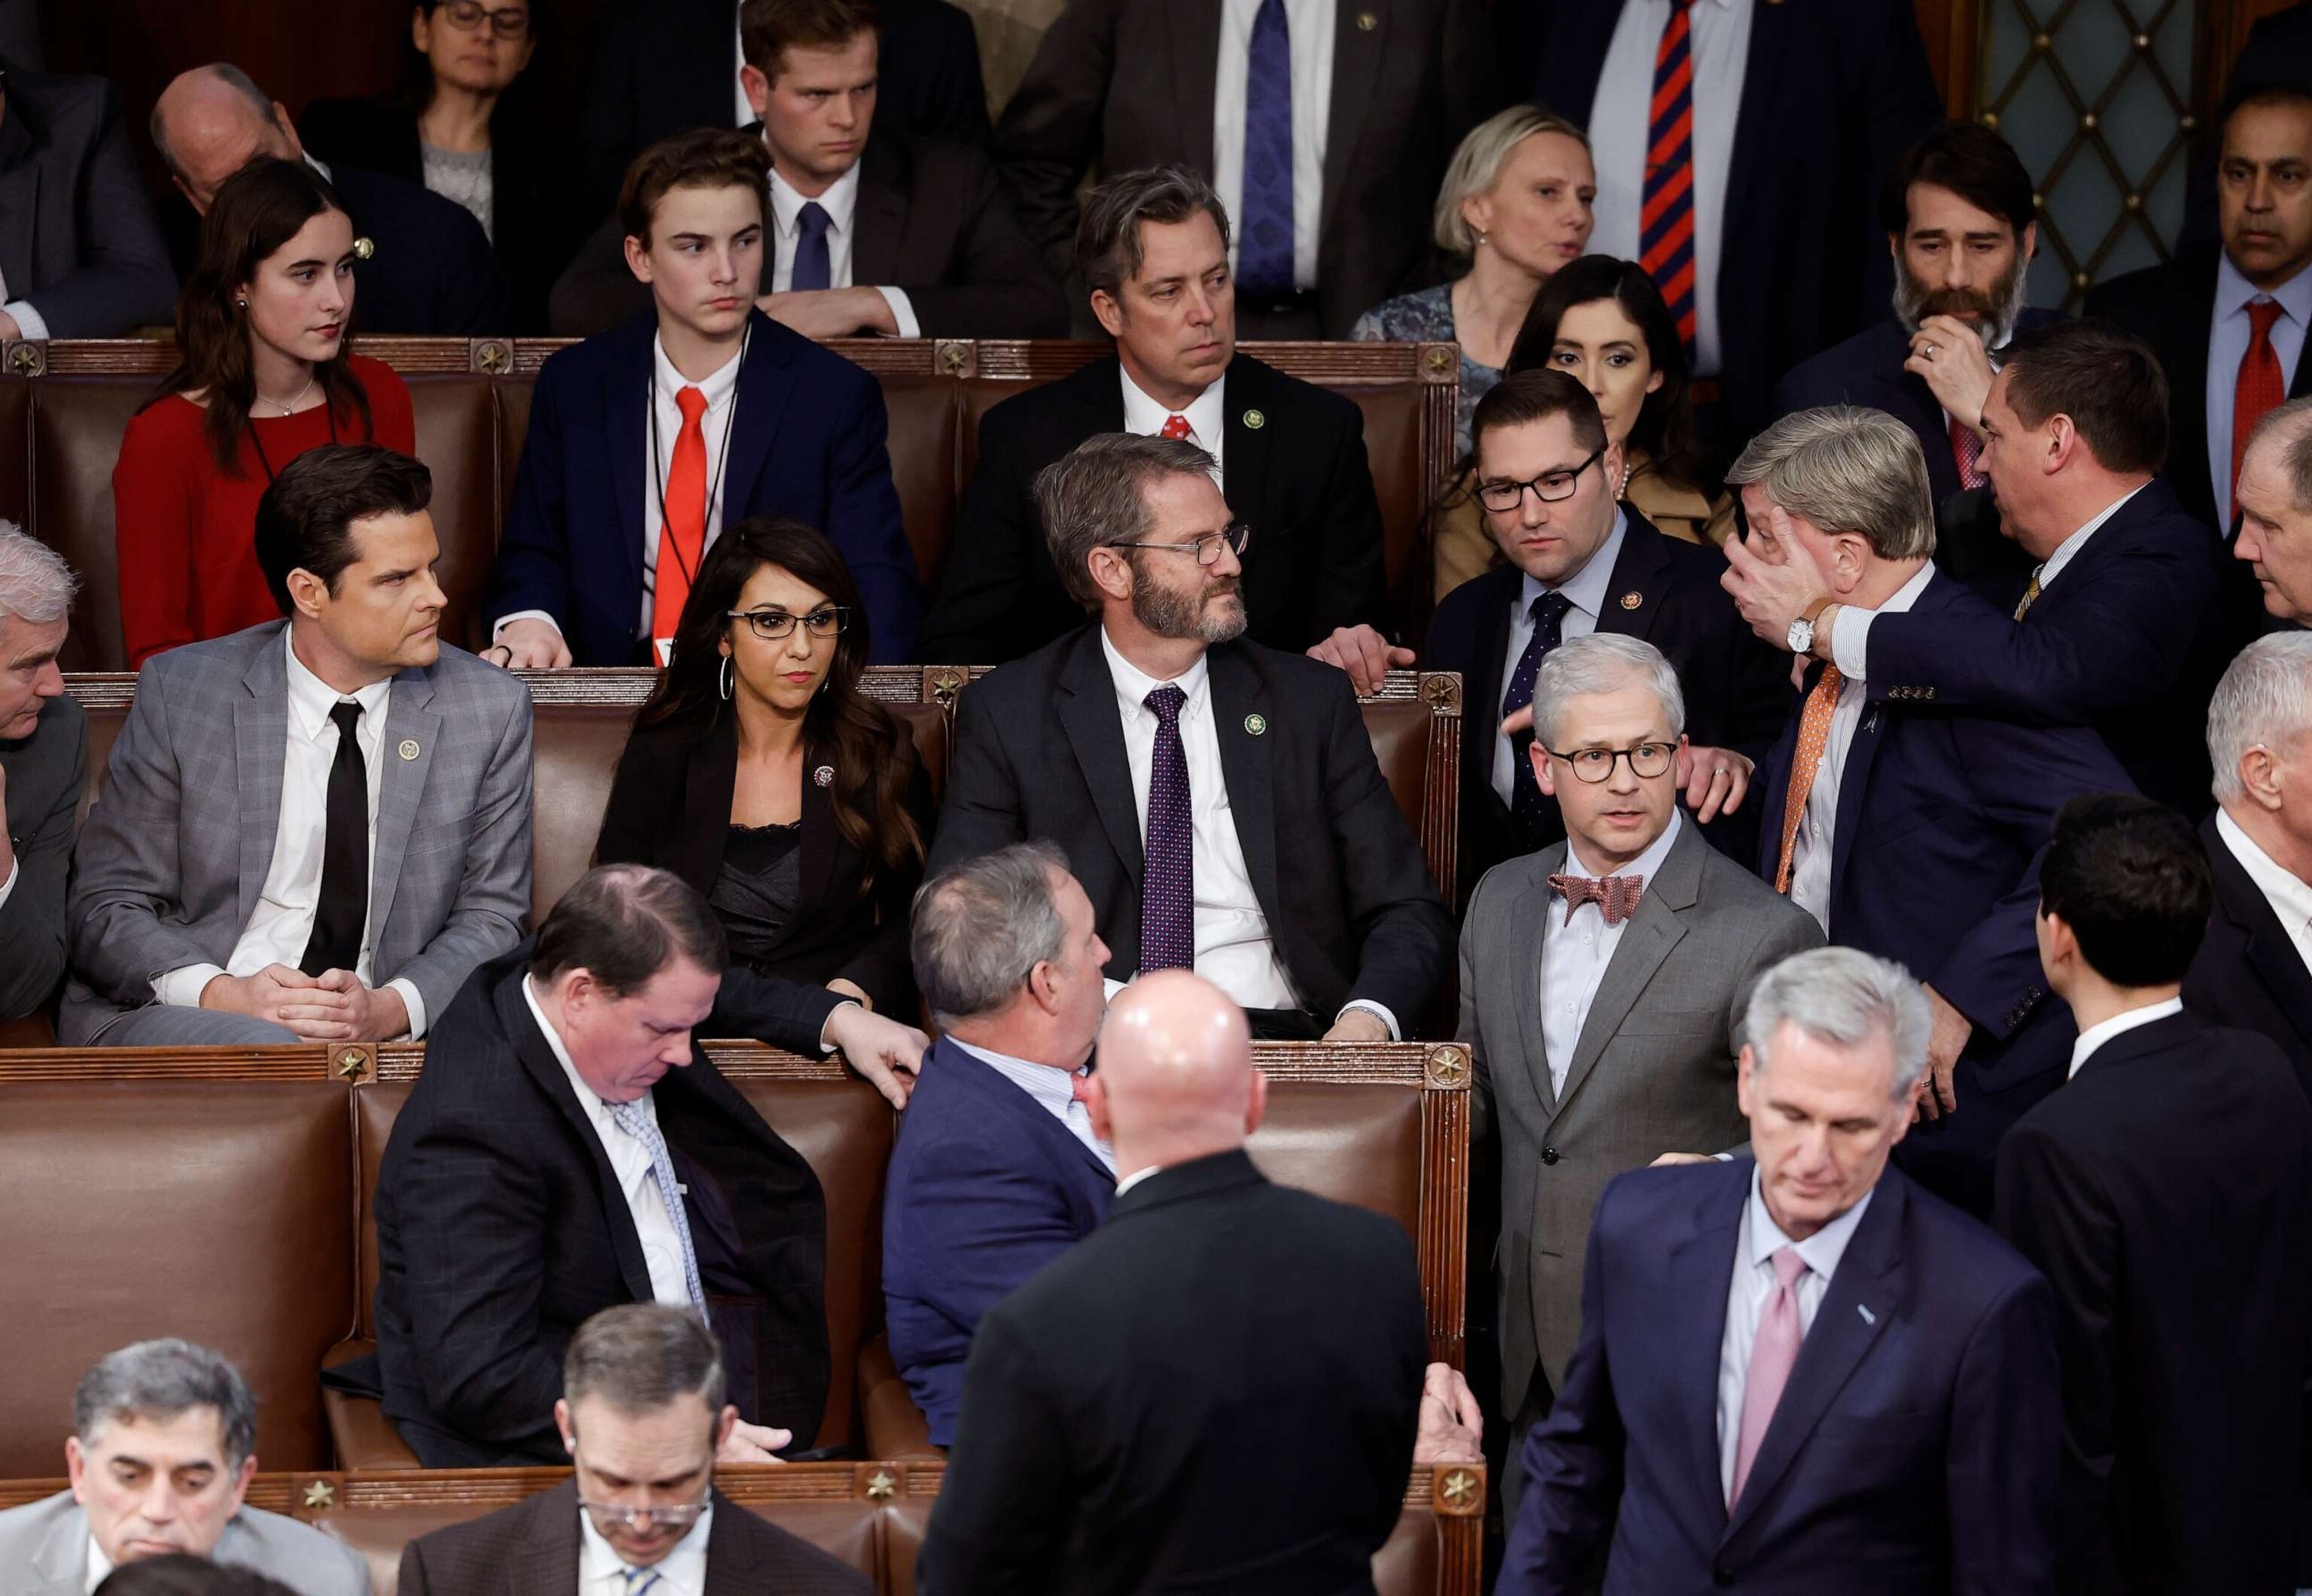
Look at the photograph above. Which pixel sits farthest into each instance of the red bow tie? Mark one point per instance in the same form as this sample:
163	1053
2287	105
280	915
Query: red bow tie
1616	897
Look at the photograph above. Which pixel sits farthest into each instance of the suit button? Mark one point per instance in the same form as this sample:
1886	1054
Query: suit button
1722	1577
1549	1154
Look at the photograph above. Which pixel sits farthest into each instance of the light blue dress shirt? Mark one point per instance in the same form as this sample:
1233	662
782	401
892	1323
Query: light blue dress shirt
2229	331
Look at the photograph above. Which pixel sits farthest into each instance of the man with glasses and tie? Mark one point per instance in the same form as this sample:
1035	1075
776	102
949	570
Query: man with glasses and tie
643	1418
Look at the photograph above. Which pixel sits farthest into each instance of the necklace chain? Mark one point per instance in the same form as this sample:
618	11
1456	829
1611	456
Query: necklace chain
291	407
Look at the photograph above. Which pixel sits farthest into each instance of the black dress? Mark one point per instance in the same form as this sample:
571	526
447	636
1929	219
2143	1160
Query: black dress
758	892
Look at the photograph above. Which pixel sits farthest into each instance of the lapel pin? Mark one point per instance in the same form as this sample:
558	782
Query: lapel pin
1255	725
363	249
1255	420
1868	1317
824	775
1633	599
409	749
1367	21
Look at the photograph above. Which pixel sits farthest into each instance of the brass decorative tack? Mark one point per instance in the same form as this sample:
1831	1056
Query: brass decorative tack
27	359
955	356
320	1493
945	686
1440	358
1367	21
493	356
351	1064
882	1486
1458	1490
1449	1066
1441	690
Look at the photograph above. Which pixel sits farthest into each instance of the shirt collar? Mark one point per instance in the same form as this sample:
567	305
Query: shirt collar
2067	550
840	201
1053	1087
682	1572
311	699
1822	1250
1133	685
2290	896
2235	294
588	1098
2103	1031
717	385
1907	595
1206	412
1586	587
99	1564
1647	864
1135	1177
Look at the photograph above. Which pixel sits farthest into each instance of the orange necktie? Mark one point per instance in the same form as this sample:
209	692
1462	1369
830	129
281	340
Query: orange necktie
1814	736
682	540
2260	386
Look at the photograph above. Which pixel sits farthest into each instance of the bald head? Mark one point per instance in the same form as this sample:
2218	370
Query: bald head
211	122
1176	1080
2275	511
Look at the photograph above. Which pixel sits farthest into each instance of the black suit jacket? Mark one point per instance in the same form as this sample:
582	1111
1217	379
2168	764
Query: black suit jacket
2248	974
1297	476
670	806
532	1548
432	275
46	772
1737	689
1217	1390
2166	1192
78	239
1832	92
1116	86
932	219
1040	753
501	1229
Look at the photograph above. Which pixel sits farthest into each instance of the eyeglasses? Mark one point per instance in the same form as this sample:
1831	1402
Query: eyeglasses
678	1517
772	625
1206	548
1593	765
1550	487
468	16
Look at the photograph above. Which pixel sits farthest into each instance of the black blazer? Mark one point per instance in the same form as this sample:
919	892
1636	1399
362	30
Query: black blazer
1297	475
934	219
2248	974
46	772
1738	689
670	806
1040	753
1217	1390
78	239
2166	1192
493	1158
432	275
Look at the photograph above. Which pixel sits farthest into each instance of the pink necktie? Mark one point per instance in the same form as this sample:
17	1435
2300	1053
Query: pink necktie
1772	1356
1080	1086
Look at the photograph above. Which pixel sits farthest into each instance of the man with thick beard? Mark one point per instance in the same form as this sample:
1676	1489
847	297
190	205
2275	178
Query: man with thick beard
1219	801
1959	218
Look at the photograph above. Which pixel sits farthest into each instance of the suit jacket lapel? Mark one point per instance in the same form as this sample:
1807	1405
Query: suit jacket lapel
1358	52
1653	931
879	219
61	1559
260	737
710	777
1532	908
762	401
1194	31
1246	764
2269	950
1759	118
1637	570
1089	714
20	198
626	427
1246	452
821	840
549	1563
1701	1271
1853	780
410	724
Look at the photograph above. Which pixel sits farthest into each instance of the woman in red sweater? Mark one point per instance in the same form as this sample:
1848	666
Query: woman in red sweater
265	376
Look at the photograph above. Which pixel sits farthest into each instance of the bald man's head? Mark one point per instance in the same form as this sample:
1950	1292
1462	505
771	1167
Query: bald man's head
211	122
2274	499
1176	1080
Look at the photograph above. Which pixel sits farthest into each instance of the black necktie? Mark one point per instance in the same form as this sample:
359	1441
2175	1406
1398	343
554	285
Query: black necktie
344	907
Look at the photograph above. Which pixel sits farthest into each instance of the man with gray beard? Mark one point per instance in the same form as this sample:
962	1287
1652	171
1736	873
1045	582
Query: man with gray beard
1219	801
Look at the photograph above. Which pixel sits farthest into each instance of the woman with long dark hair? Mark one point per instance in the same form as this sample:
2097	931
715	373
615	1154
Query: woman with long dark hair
759	773
263	374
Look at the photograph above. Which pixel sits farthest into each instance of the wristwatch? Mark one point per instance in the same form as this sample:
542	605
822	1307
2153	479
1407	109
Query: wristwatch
1800	636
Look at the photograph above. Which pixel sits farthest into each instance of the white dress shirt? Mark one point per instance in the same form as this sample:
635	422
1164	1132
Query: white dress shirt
30	323
2103	1031
1136	1176
283	921
1575	953
682	1572
98	1566
630	1162
2228	332
1312	23
1811	854
1054	1090
841	203
1206	416
1586	588
2290	896
1755	1243
15	868
1719	43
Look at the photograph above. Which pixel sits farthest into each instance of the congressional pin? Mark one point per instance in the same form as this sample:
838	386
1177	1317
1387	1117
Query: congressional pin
1367	21
1257	725
409	749
364	248
1868	1317
1255	420
824	775
1631	601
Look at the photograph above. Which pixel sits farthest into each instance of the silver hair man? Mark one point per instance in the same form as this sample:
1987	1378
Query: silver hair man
982	926
1602	662
1847	469
161	1379
1845	998
2264	701
36	585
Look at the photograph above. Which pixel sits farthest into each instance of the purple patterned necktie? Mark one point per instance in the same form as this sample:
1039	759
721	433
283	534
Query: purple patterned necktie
1263	256
1525	802
1168	885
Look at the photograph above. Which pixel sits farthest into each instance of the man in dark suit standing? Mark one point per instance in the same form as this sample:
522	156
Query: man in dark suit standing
1290	455
643	1418
1217	1335
1323	125
1763	238
81	254
2276	514
1219	801
43	766
872	231
2165	1191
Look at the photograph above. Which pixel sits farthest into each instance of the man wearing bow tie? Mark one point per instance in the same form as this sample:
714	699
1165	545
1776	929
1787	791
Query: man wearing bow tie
1612	1037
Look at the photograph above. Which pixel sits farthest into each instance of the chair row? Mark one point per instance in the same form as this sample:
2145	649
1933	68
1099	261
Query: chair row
64	405
224	1195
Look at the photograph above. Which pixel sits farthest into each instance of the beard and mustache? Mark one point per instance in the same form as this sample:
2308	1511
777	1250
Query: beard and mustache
1175	614
1993	310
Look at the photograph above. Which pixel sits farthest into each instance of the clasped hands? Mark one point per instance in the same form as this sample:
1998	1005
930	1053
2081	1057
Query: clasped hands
332	1007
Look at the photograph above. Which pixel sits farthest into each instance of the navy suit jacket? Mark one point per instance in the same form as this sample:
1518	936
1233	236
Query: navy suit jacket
807	442
1942	821
1914	1449
985	1188
433	274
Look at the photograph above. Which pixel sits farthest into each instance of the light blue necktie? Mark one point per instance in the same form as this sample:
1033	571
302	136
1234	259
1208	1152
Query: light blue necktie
640	1581
634	1119
1263	255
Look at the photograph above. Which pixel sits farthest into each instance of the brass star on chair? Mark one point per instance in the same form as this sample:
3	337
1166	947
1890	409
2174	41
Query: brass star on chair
351	1064
1447	1066
319	1494
1458	1488
882	1486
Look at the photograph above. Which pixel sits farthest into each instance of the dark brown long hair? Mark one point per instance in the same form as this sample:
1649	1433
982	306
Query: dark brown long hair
256	213
873	756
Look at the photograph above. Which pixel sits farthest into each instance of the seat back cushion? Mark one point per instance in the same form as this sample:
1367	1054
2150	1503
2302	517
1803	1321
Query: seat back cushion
457	436
1354	1144
576	747
1401	732
77	425
923	414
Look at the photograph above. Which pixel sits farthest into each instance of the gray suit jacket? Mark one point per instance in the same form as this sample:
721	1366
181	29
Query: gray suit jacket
78	238
175	853
1653	1072
44	1551
45	773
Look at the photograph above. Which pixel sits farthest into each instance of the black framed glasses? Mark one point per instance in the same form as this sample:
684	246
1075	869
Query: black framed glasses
1208	548
470	16
772	625
1593	765
1549	487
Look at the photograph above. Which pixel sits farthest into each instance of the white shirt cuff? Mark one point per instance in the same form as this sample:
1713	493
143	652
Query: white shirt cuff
1369	1007
181	989
902	312
414	1004
15	868
31	324
825	1046
503	621
1850	640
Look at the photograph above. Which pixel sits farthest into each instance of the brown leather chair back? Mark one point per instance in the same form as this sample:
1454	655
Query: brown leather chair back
1354	1144
15	450
923	450
457	436
376	1106
576	749
76	428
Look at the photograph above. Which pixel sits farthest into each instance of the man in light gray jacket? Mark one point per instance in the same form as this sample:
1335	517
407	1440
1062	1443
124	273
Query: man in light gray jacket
1603	980
160	1455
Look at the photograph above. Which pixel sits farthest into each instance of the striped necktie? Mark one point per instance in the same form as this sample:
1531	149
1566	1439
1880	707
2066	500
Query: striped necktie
1666	217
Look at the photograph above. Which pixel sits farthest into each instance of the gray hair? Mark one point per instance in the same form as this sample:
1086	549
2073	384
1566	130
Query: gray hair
36	585
160	1380
1846	998
2265	698
1847	469
233	77
1107	238
641	1357
2285	425
1477	167
982	926
1096	495
1602	662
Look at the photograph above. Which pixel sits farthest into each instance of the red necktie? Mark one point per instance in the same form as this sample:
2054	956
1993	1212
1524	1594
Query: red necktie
1176	427
2260	387
682	538
1666	215
1080	1086
1966	449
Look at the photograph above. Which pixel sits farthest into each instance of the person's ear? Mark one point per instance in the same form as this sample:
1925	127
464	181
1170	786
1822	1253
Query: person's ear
1544	772
421	30
1477	214
1095	1106
2260	779
308	592
757	88
1744	1069
1109	310
76	1468
1654	381
724	1423
288	130
240	1479
1111	571
1044	986
1612	463
2063	442
638	260
1255	1108
2030	240
563	1427
1895	246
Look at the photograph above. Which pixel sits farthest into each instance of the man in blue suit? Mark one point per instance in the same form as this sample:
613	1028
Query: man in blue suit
1910	829
692	419
997	1171
1803	1373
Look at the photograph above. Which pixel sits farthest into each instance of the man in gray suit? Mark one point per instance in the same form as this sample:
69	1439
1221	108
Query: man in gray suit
1603	980
314	829
43	759
81	252
160	1457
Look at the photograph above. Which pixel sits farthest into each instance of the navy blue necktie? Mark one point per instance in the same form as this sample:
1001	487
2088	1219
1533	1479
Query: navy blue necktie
1264	258
1168	882
1525	800
810	267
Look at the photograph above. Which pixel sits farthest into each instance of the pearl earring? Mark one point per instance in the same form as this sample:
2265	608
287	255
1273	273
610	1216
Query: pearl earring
240	304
